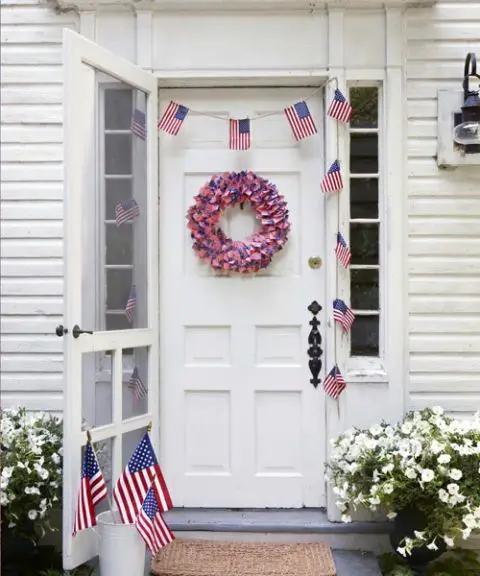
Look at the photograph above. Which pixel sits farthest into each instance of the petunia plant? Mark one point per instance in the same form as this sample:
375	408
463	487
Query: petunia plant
31	477
428	462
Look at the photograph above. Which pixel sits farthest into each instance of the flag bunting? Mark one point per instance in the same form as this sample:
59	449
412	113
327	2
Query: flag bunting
343	314
334	384
151	525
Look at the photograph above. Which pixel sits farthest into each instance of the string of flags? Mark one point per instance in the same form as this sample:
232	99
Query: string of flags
140	493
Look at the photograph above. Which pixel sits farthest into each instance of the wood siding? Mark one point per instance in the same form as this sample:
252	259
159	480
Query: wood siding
444	219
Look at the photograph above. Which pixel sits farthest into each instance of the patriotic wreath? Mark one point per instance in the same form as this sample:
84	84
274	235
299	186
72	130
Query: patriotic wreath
212	245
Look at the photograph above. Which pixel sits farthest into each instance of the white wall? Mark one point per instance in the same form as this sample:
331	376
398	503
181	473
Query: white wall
444	218
31	203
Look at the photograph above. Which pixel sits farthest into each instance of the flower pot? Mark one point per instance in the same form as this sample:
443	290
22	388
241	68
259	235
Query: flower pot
406	522
121	549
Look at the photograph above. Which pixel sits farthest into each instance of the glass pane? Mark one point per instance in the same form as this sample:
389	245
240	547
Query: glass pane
364	289
118	153
364	243
96	389
135	383
119	244
365	107
117	191
363	198
118	109
118	286
364	340
363	153
116	322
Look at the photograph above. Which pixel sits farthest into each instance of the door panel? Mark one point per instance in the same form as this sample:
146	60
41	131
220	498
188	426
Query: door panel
107	164
241	424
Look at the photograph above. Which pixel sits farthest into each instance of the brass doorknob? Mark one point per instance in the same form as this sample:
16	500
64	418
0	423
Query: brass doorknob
315	262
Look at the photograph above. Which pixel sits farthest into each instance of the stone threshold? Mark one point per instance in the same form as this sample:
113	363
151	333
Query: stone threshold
292	521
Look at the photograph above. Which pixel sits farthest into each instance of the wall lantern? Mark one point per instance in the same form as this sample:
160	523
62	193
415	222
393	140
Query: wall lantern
458	142
467	132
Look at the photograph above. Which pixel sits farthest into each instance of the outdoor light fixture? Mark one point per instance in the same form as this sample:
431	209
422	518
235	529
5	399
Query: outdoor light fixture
467	132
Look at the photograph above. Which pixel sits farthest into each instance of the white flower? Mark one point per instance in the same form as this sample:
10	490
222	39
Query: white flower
388	488
32	514
407	427
466	533
419	535
444	458
448	541
432	546
436	447
388	468
346	518
56	458
455	474
410	473
437	410
7	472
443	495
427	475
470	521
402	551
453	488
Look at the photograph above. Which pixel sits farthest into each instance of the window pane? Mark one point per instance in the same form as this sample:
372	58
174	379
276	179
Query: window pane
119	244
364	243
117	322
363	153
364	289
118	109
119	283
116	192
365	107
364	340
118	154
363	198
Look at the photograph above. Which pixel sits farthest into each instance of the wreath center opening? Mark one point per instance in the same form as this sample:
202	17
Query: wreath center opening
239	221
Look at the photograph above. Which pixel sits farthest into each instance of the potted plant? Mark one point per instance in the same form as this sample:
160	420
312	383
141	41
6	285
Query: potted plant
424	472
30	484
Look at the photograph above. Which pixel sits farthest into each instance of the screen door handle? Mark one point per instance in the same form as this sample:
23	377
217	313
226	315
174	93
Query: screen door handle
76	331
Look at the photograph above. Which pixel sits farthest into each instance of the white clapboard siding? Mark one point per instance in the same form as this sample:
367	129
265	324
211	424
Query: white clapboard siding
444	219
31	203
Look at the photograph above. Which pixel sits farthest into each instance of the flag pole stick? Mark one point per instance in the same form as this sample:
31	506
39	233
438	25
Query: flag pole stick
89	440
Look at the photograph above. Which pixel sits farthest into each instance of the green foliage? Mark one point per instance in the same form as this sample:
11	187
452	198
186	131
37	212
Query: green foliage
458	562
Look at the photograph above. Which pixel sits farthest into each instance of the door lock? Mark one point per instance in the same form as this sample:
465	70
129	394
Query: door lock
61	330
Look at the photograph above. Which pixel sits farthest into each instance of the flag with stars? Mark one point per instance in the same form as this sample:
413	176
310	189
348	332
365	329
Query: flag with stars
240	134
151	526
334	384
141	473
300	120
342	314
340	108
92	491
131	304
332	181
126	211
136	384
343	251
173	118
138	126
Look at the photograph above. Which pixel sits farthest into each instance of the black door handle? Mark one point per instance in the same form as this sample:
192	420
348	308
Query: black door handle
76	331
314	344
60	330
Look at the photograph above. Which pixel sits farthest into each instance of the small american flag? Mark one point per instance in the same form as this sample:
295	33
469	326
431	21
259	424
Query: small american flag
126	211
151	525
300	120
131	304
332	181
136	384
92	491
173	118
342	314
339	108
334	383
240	134
343	251
135	481
138	126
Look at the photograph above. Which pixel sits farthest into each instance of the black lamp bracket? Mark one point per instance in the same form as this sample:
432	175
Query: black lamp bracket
469	71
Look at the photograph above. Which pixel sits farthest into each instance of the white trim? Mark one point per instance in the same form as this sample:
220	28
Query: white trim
144	25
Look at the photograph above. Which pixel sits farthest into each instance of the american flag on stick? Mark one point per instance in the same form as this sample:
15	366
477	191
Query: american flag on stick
92	491
126	211
343	251
152	526
240	134
136	384
300	120
332	181
334	383
131	304
342	314
173	118
141	473
138	126
340	108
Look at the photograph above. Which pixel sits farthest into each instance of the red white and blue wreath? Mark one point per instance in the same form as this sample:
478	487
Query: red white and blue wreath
230	189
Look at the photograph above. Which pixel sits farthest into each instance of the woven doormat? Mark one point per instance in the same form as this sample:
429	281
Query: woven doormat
212	558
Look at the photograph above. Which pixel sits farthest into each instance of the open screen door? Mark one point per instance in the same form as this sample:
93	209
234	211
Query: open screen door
110	325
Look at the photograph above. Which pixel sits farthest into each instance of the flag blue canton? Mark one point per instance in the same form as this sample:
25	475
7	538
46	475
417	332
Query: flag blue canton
302	110
340	306
339	96
341	240
143	457
90	465
150	505
244	126
335	167
181	112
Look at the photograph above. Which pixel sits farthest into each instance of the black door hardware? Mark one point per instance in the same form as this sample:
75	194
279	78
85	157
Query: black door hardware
76	331
60	330
314	342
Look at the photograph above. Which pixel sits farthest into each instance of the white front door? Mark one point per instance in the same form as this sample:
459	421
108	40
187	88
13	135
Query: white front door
241	424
